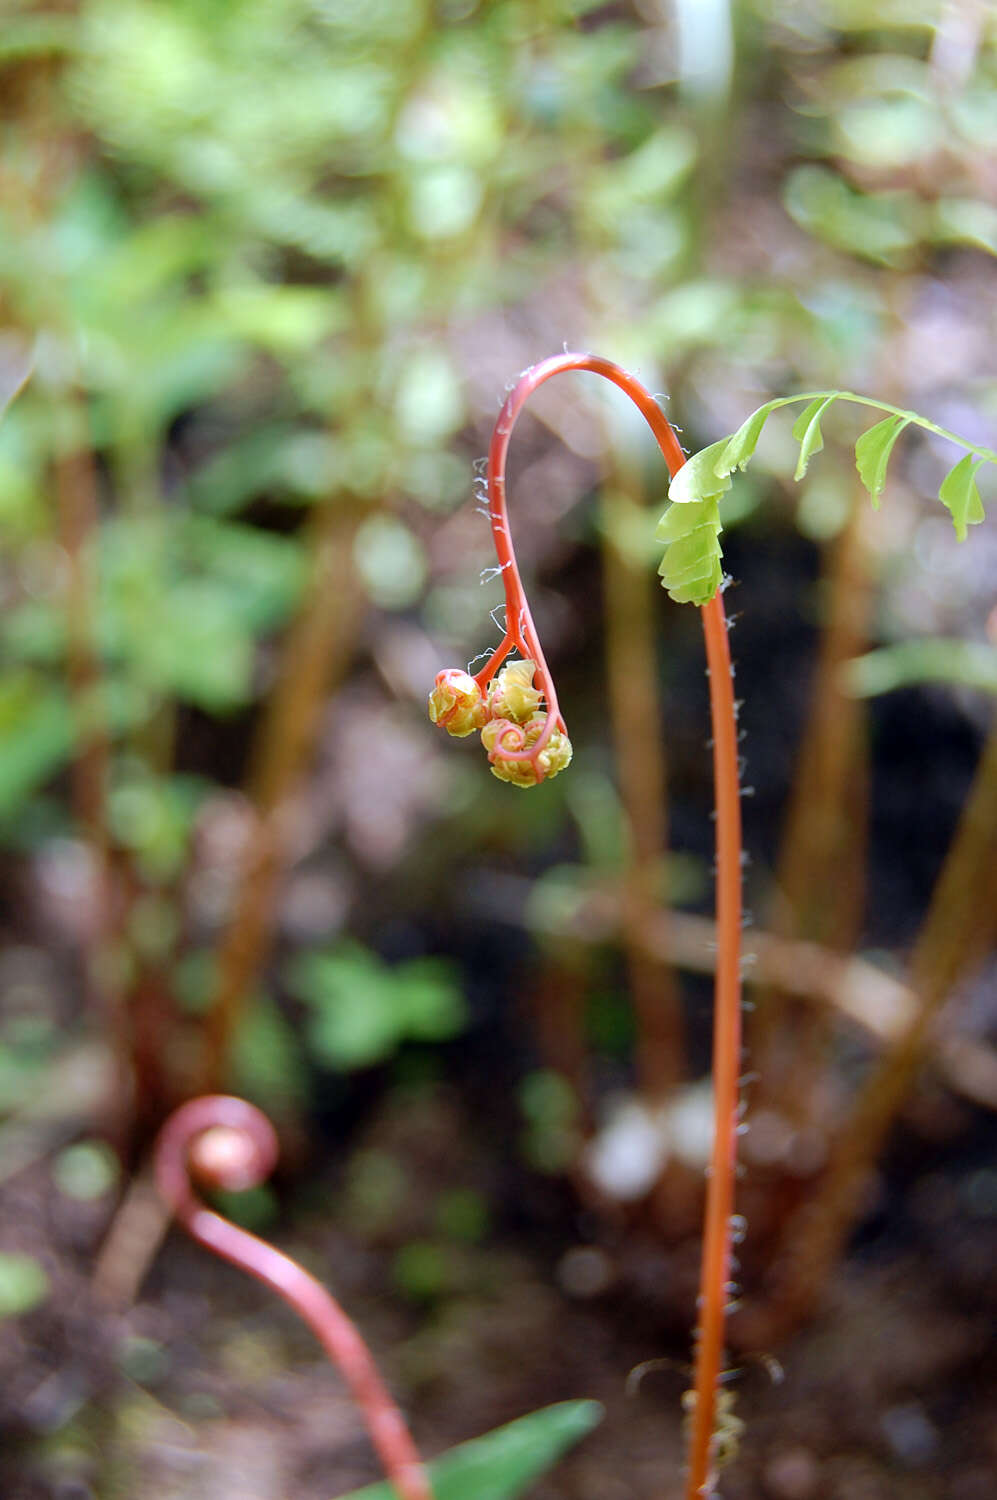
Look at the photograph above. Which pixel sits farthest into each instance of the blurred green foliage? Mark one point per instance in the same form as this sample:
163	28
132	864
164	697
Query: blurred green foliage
361	1010
274	256
23	1284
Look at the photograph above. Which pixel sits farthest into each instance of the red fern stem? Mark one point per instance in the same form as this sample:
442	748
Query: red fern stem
520	634
229	1144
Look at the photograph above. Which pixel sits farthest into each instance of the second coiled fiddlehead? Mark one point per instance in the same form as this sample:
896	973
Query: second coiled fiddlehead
227	1143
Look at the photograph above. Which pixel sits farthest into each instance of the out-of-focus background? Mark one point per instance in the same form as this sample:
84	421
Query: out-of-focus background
266	269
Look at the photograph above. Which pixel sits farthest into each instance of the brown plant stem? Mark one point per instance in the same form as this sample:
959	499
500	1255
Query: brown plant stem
75	479
634	698
314	657
76	497
823	841
230	1144
960	923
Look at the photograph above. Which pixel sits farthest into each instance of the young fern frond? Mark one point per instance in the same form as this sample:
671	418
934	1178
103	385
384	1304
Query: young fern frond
692	565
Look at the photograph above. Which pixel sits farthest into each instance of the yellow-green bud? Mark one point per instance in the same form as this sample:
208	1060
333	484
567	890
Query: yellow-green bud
554	757
457	703
556	754
511	695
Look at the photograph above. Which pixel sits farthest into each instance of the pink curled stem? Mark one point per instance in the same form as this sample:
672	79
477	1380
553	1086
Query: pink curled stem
251	1132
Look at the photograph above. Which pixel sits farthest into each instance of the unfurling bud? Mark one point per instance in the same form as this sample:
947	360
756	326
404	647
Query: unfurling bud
511	695
457	703
556	754
501	734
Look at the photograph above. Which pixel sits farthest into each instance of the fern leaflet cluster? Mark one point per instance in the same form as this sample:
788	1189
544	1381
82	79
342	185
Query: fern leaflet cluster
691	568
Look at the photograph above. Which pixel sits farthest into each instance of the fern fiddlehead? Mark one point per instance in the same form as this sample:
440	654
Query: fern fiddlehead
228	1143
511	748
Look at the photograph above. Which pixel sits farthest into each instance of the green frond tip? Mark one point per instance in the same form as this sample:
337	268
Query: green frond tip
691	568
872	453
959	494
740	446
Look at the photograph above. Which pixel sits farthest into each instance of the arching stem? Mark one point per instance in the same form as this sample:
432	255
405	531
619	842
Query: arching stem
715	1272
520	634
230	1144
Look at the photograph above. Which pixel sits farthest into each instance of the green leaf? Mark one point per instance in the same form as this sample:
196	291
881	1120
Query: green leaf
428	1000
267	1060
959	663
698	479
691	567
500	1465
879	226
36	726
872	453
362	1010
806	430
739	448
958	493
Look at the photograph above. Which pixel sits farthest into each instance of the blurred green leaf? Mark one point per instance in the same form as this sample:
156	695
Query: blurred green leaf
86	1170
423	1270
267	1064
551	1139
967	221
878	227
361	1010
428	399
23	1284
281	319
503	1463
958	663
183	598
36	36
391	561
649	173
36	729
889	132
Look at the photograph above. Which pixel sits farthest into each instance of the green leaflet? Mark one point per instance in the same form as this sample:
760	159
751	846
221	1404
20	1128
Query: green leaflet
691	567
698	478
872	453
738	449
958	493
806	430
500	1465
